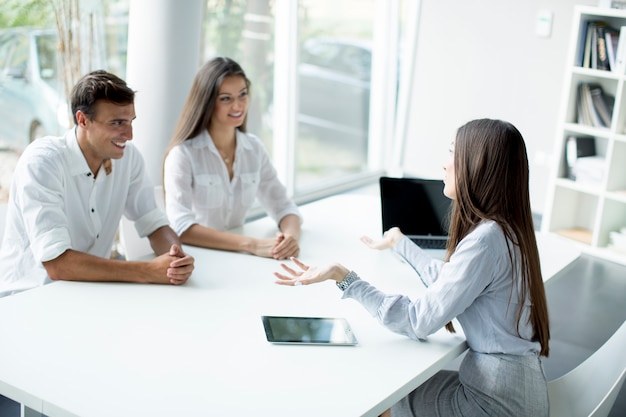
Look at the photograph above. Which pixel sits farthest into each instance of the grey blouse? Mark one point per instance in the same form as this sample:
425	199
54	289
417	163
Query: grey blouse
476	286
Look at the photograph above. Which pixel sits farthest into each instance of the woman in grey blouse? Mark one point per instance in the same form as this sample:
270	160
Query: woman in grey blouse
490	281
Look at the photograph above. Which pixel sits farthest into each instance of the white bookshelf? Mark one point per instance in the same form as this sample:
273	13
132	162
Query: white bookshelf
588	211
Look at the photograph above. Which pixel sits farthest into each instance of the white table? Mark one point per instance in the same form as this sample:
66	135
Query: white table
107	349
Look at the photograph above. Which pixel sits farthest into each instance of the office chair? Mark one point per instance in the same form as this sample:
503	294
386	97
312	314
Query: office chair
590	389
132	245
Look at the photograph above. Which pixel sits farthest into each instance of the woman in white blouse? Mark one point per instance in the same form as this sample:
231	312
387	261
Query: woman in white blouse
490	281
214	170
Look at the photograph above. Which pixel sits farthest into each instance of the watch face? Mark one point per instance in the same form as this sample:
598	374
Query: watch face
308	330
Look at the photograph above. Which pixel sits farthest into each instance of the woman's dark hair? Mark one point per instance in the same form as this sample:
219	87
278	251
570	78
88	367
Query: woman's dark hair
198	109
491	173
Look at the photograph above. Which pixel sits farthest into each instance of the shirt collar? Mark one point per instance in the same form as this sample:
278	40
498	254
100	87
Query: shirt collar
204	140
75	158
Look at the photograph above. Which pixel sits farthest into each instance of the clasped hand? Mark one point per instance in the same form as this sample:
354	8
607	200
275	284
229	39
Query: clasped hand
308	274
177	265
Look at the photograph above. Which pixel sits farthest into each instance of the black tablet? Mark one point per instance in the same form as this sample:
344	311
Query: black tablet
308	331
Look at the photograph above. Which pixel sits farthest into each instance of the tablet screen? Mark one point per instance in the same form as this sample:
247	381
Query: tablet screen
308	330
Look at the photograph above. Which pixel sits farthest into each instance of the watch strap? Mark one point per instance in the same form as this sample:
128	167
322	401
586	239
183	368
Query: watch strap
349	279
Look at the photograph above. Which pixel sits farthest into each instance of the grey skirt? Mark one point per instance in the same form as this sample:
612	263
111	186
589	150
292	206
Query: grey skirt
485	385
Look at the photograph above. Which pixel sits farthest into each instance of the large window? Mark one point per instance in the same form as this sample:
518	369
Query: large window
313	70
334	74
310	64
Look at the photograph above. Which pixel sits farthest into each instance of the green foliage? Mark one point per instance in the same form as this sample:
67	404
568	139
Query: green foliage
224	26
14	13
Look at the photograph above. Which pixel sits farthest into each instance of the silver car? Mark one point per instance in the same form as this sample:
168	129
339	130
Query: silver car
32	102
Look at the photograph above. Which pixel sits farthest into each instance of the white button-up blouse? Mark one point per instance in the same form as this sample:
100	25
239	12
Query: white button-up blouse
198	189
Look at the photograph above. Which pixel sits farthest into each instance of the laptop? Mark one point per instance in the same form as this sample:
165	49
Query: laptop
418	207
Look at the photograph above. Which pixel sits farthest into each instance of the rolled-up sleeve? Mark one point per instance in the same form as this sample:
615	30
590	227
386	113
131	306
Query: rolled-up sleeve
43	207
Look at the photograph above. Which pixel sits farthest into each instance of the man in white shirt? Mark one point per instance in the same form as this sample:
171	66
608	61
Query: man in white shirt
68	195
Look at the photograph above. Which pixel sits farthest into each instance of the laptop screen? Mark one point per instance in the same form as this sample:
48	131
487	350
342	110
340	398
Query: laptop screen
417	206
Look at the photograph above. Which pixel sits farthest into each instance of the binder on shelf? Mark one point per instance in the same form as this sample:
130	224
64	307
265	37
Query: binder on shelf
611	35
602	59
603	104
582	44
620	53
578	147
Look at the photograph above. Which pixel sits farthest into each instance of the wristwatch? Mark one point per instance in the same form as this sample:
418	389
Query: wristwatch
349	279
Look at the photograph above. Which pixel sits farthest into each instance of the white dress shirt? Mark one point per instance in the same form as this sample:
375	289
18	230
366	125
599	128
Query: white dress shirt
55	205
478	286
198	189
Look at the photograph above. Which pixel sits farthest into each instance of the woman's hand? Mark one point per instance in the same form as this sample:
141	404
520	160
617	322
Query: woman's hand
286	246
263	247
389	240
310	274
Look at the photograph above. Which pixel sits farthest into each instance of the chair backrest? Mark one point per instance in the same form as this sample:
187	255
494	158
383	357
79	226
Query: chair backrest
591	388
133	246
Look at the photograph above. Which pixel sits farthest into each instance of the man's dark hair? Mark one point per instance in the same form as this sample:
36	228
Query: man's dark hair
99	85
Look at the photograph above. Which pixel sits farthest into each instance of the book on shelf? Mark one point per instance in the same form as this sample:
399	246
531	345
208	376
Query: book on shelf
593	46
594	107
582	44
597	45
620	53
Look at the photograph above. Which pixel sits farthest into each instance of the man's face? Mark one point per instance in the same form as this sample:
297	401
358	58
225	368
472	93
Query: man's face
106	135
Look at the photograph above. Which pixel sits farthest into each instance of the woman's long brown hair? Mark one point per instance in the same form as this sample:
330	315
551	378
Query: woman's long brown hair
198	109
491	173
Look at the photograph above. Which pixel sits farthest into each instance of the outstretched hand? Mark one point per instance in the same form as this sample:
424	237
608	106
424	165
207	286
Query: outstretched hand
389	239
309	274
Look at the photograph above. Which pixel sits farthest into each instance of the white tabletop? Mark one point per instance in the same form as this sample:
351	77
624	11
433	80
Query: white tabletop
107	349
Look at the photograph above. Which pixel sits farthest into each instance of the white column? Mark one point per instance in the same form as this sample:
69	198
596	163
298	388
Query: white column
405	88
164	52
285	91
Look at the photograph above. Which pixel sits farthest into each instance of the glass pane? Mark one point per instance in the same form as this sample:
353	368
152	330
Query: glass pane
334	89
243	30
48	59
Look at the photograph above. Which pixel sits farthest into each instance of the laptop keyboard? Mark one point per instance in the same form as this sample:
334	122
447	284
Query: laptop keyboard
429	243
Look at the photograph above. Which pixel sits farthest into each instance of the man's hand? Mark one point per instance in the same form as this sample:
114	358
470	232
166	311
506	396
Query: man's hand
174	267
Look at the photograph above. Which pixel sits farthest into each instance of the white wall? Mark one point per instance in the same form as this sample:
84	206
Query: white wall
482	58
